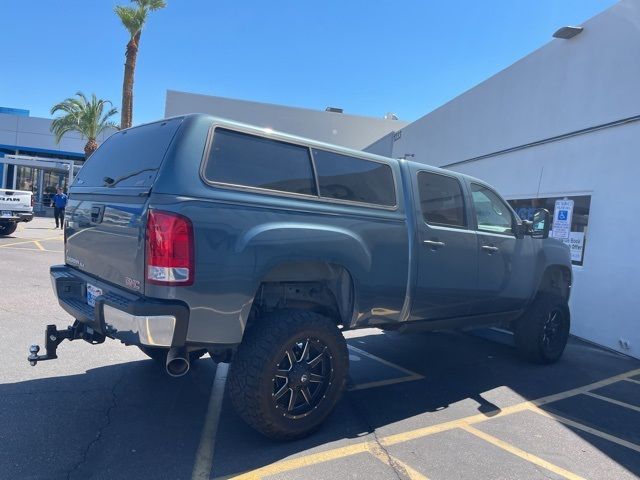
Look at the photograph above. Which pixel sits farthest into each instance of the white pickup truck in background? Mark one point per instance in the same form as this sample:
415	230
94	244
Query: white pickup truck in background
15	206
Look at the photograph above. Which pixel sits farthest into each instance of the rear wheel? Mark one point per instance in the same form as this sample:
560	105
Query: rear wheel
542	333
288	373
7	228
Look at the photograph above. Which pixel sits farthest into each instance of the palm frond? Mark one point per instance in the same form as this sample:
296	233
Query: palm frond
151	5
83	115
132	18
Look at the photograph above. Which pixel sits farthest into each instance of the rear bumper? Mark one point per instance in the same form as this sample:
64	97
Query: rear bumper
119	314
18	217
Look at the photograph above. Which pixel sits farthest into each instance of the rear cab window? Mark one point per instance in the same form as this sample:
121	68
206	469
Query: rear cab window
441	200
129	159
343	177
242	160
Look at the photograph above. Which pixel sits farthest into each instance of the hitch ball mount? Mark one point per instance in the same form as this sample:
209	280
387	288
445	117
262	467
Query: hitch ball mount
53	338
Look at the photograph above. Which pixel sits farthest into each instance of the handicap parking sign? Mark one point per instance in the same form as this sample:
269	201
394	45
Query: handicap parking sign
563	215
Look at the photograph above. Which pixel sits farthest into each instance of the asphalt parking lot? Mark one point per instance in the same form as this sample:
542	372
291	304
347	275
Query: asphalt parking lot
436	406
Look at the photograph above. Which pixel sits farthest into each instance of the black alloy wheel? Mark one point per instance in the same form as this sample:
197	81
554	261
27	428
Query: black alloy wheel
288	373
541	334
302	377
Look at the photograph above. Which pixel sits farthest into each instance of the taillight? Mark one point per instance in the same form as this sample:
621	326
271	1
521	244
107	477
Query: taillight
169	249
33	202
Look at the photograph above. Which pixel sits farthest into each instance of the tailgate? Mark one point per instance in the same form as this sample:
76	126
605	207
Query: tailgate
105	238
105	233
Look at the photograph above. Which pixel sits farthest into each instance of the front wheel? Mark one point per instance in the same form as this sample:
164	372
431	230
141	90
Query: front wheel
288	373
542	333
7	228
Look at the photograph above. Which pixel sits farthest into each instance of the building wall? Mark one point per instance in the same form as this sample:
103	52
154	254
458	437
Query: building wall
604	164
31	136
33	133
338	128
563	88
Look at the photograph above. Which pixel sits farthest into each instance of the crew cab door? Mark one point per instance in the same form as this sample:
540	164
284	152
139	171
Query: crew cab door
505	262
447	255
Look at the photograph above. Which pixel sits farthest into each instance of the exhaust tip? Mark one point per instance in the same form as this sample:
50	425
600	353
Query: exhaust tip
177	363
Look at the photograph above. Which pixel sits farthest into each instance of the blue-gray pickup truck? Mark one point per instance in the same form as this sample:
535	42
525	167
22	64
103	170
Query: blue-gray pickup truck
195	234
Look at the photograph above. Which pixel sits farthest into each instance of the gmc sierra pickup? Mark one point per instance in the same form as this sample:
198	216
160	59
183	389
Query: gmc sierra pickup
195	234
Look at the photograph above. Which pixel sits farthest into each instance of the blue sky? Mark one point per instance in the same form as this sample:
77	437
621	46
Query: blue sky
368	57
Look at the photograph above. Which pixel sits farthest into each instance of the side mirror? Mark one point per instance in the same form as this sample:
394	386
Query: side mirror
541	223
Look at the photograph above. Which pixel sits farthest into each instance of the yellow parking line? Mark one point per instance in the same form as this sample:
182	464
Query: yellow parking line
336	453
395	463
384	362
5	245
614	401
300	462
38	244
33	249
585	428
446	426
410	377
521	453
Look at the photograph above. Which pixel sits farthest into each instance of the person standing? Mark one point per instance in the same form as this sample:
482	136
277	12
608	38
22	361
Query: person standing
59	203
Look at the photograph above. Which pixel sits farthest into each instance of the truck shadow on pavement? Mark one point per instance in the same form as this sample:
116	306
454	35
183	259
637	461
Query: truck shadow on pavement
132	421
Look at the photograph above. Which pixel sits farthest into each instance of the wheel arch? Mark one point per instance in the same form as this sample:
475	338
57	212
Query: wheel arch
556	278
320	286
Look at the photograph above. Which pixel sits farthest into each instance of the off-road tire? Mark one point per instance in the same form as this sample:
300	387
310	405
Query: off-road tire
532	328
160	354
7	228
252	374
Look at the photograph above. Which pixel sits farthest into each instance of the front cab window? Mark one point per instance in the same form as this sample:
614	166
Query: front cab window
492	213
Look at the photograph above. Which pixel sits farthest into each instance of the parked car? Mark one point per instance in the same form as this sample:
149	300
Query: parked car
15	206
196	234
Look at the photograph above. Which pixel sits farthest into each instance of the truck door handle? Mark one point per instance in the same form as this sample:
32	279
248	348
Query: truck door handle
434	243
490	248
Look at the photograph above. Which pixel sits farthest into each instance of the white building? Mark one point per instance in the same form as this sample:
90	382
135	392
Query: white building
351	131
30	158
562	122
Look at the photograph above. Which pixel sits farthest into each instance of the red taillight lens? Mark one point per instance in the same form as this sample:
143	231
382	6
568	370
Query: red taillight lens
169	249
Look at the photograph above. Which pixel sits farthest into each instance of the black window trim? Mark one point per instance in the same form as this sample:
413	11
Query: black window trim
514	215
281	138
465	213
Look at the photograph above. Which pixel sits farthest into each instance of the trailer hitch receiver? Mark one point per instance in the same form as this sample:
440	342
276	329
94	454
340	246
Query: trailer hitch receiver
53	338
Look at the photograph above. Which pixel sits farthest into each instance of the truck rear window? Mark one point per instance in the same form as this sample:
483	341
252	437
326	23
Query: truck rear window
129	158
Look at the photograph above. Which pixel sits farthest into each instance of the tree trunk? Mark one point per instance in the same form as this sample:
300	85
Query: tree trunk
90	147
126	115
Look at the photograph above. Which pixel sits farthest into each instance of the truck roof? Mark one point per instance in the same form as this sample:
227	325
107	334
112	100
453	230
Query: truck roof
279	135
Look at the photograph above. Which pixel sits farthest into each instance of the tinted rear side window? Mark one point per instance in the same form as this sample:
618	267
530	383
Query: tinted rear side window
355	179
241	159
130	158
441	200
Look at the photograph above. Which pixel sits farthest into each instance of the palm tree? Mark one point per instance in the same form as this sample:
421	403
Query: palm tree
133	19
87	117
